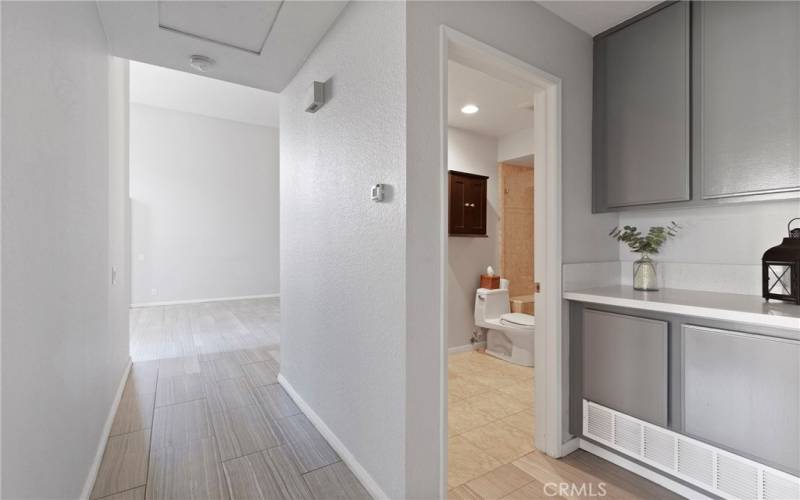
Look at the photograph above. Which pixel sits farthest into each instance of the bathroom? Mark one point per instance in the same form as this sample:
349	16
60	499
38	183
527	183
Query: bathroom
491	282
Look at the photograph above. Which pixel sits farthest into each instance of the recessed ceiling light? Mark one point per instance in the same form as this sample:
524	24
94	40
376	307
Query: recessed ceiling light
200	63
469	109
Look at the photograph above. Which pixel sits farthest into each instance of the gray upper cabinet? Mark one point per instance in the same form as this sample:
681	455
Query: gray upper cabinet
641	113
698	103
742	392
747	97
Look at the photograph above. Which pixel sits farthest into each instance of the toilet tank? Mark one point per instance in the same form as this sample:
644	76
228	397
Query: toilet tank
490	304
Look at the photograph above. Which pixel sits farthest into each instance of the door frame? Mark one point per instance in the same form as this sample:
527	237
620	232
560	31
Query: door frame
549	346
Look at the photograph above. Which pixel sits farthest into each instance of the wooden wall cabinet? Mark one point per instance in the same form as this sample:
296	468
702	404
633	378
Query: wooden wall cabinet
467	208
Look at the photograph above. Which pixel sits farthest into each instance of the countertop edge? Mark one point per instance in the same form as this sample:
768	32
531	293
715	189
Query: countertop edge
688	310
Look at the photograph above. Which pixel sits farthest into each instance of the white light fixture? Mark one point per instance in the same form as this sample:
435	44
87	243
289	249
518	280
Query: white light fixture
200	63
469	109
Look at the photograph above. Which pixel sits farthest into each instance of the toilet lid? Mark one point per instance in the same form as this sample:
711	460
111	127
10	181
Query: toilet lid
519	319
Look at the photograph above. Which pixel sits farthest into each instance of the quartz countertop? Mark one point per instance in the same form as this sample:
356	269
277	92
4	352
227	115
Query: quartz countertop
750	309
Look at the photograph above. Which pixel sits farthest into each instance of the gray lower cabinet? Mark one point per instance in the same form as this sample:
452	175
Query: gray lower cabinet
641	115
625	362
746	97
742	392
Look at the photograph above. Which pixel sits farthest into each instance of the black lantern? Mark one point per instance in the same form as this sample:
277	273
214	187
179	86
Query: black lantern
781	268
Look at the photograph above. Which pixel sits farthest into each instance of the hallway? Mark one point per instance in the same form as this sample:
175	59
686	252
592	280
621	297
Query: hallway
202	414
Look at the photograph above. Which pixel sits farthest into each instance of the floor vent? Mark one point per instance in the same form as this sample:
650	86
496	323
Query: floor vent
712	469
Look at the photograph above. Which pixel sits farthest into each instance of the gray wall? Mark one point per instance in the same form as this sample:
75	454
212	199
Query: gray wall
468	257
205	207
531	33
343	325
718	248
64	327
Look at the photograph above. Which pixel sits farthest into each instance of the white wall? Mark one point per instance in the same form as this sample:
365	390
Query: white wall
468	257
342	255
515	145
533	34
64	349
205	207
718	248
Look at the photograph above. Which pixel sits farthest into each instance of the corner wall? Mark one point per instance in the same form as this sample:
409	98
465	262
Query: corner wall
64	334
343	325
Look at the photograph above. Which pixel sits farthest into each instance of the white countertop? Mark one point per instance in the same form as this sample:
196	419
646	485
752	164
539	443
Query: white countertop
749	309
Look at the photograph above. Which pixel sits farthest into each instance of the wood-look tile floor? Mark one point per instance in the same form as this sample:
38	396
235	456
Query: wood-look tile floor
202	415
490	443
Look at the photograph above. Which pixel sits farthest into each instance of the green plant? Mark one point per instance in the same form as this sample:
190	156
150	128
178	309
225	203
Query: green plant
646	244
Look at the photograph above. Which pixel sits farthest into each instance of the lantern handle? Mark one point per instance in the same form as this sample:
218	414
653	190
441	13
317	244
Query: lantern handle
789	225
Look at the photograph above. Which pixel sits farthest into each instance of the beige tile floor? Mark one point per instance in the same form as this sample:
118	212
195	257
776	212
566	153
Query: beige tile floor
202	415
490	445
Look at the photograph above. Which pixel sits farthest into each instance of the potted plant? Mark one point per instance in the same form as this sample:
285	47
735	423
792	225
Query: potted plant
645	275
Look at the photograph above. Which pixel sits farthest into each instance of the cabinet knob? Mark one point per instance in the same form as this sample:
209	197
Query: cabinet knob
466	204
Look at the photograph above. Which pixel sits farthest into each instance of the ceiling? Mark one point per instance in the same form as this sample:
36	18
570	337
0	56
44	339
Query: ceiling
503	107
260	44
181	91
596	17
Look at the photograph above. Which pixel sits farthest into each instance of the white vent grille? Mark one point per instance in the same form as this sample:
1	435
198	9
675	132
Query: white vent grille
600	423
777	487
715	470
736	477
627	434
659	447
696	461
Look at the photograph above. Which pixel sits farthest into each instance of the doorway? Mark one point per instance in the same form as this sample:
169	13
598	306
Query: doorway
549	380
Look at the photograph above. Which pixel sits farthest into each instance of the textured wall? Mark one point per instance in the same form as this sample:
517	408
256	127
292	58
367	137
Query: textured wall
65	336
342	255
468	257
205	207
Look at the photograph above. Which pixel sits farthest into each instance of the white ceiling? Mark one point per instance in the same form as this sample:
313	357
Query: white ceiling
180	91
504	107
260	44
596	17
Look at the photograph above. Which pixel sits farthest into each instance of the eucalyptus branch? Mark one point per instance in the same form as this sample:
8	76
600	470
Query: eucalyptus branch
649	243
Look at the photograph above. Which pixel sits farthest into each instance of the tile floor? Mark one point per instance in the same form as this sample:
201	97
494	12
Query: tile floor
202	415
490	445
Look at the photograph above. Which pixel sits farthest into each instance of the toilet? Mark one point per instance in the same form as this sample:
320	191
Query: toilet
510	336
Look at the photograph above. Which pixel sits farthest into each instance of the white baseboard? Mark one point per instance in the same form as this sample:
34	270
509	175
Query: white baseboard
465	348
101	446
646	473
570	446
360	472
200	301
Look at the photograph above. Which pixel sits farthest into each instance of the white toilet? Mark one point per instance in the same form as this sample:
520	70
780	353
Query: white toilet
510	336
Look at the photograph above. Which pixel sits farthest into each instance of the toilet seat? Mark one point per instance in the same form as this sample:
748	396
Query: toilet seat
518	319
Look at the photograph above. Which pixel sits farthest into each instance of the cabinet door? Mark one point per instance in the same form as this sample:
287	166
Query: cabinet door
457	212
625	364
476	212
642	125
742	392
747	91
